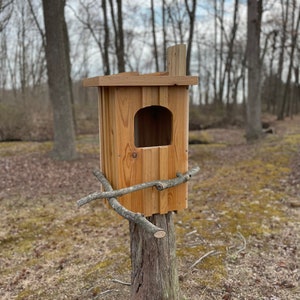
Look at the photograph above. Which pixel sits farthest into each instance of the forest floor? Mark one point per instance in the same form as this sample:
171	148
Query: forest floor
239	238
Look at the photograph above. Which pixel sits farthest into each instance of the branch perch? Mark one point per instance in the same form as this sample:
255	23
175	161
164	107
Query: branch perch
137	218
127	214
158	184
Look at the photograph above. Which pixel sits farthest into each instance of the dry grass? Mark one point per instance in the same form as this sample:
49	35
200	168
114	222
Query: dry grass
242	212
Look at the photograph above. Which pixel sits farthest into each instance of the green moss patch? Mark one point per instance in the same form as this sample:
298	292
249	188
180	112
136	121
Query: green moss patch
239	199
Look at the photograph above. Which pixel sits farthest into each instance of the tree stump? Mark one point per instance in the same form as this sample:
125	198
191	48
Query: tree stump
154	268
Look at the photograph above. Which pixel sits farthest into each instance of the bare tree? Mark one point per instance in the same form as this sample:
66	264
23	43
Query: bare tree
253	107
118	33
58	66
216	58
191	13
294	35
106	63
220	17
230	52
6	9
164	33
284	18
91	23
177	20
154	37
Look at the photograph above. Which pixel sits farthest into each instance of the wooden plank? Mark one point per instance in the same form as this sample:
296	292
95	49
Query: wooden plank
140	80
112	154
150	163
129	166
164	159
149	96
156	74
163	96
179	105
164	174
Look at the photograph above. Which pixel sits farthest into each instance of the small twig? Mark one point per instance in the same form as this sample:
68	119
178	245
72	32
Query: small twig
192	232
121	282
158	184
244	243
202	257
104	293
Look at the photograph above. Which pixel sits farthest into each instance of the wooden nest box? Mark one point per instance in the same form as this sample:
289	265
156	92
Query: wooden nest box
144	132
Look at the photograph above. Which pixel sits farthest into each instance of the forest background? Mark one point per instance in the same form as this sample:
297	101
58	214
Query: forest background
107	37
245	231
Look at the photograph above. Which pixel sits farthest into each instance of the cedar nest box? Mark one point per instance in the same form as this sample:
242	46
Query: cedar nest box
143	132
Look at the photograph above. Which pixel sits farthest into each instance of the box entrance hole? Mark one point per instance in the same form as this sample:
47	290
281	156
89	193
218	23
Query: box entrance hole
153	126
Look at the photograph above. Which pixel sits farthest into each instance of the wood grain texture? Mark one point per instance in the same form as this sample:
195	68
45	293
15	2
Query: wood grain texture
124	164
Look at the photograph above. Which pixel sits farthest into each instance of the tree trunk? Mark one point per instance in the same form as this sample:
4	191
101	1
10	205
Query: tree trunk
191	12
287	87
285	17
106	64
154	273
119	33
254	128
164	33
155	51
58	62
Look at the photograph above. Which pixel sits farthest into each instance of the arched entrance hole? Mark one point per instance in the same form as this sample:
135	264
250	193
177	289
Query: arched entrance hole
153	126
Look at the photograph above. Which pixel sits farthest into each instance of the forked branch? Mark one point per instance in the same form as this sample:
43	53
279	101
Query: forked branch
137	218
158	184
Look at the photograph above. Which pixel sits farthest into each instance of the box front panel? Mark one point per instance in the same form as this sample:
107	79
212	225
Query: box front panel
127	163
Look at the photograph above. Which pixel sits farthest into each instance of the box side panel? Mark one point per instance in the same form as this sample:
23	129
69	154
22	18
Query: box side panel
178	156
164	157
106	133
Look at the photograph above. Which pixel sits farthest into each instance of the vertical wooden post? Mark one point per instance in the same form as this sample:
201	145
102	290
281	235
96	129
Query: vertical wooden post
154	268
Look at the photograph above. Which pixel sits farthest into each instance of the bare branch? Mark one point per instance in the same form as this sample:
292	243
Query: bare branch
244	243
127	214
158	184
137	218
121	282
212	252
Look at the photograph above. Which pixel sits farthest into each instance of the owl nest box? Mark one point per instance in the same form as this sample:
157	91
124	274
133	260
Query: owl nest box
143	123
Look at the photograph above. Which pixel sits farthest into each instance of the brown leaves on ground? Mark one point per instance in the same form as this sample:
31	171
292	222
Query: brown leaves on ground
242	224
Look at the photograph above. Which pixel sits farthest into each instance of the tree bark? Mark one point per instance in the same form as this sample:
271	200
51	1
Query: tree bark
154	272
119	33
253	107
58	66
287	87
106	64
155	51
192	13
283	41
